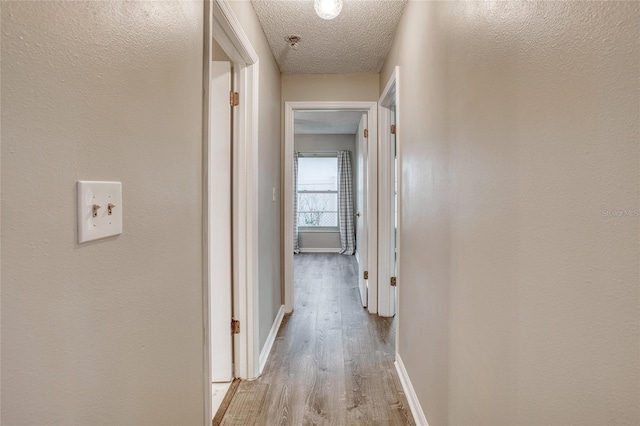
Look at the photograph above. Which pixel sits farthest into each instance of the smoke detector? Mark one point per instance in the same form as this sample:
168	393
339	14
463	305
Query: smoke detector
293	41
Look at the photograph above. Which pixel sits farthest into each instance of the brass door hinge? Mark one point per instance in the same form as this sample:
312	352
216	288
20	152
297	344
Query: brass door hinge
393	129
234	99
366	133
235	326
366	275
393	282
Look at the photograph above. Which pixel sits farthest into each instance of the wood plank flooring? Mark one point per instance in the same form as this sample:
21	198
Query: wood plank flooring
331	363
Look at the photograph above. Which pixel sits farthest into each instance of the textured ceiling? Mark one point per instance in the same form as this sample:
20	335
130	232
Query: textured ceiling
356	41
327	122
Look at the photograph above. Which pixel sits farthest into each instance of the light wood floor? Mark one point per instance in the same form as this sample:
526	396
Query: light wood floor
332	362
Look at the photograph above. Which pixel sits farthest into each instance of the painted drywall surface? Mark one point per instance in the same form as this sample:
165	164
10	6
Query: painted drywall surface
319	241
110	331
217	53
423	289
330	87
520	123
357	41
269	174
321	143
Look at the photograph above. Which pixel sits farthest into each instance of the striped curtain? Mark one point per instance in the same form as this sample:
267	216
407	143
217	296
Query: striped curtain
345	204
296	245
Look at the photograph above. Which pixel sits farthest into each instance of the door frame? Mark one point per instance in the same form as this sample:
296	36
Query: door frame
387	300
221	24
371	108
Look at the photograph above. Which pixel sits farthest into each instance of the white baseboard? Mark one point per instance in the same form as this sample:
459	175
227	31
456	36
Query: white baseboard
271	338
320	250
412	398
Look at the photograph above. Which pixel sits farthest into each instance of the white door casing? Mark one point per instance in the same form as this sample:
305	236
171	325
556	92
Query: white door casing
228	32
219	224
222	25
389	242
371	110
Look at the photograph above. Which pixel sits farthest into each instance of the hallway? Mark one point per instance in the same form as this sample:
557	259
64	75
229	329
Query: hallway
332	362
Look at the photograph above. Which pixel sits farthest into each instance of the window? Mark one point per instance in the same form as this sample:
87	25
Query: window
317	190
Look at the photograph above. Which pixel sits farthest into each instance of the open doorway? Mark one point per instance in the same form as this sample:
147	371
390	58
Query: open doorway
229	192
324	143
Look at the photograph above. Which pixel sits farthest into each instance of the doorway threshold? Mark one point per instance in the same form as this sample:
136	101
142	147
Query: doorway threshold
221	395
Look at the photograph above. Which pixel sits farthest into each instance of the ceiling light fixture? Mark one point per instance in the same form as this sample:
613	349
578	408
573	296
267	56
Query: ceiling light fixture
327	9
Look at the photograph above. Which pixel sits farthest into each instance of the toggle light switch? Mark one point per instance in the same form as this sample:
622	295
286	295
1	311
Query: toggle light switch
95	221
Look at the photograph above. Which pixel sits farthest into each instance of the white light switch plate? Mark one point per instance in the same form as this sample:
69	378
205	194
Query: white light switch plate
102	224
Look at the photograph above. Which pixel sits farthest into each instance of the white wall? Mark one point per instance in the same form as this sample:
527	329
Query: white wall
324	143
110	331
321	242
519	128
217	53
329	87
269	175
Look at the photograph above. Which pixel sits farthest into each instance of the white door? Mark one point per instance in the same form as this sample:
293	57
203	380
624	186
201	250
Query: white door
361	211
394	209
220	221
